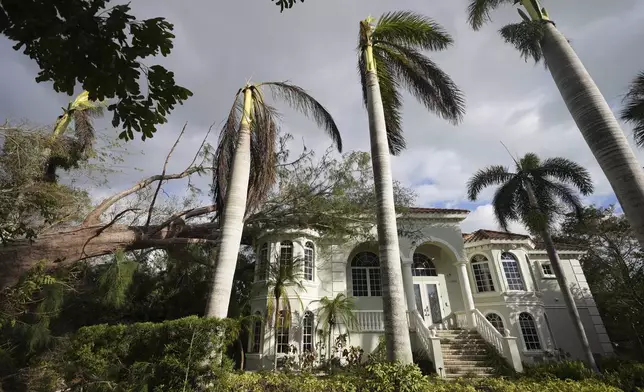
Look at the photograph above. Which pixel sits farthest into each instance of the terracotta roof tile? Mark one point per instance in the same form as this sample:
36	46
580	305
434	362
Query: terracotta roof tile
419	210
481	235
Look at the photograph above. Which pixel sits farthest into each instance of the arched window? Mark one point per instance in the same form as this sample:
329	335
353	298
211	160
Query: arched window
256	342
482	274
307	332
365	275
529	332
282	333
286	253
496	321
309	260
423	266
512	272
262	262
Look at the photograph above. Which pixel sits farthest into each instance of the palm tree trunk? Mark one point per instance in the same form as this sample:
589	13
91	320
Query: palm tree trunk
563	285
232	220
598	126
277	312
393	293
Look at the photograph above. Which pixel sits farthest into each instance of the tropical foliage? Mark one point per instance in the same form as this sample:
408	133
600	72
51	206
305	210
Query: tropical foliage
331	313
633	111
536	194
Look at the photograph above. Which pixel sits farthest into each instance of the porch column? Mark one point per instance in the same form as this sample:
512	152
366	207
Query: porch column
408	282
466	289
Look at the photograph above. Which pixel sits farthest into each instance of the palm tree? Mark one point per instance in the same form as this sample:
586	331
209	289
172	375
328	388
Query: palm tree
633	112
390	57
282	275
535	195
245	166
332	312
537	37
80	113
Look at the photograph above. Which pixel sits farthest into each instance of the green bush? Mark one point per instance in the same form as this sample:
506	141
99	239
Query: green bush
395	377
563	370
166	356
627	375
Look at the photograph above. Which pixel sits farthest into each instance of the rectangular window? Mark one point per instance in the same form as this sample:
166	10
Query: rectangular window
513	275
282	336
547	270
374	282
307	333
359	282
257	336
308	263
483	277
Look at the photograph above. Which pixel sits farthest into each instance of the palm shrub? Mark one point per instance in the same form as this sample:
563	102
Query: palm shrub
390	58
535	194
333	312
537	37
245	170
633	111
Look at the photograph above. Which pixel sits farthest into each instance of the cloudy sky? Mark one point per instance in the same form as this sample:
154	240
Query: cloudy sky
222	44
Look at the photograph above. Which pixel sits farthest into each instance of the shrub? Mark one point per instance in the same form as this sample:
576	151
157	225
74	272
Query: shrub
627	375
564	370
394	377
164	356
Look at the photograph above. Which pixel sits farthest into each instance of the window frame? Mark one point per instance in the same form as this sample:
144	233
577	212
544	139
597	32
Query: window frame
286	245
372	275
256	337
428	270
482	260
309	261
506	261
261	272
283	333
544	274
308	315
536	333
500	319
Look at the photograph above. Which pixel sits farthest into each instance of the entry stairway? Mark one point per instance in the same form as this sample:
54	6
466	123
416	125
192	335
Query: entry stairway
464	353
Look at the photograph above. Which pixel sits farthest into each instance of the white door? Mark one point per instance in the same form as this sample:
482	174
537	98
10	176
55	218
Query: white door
431	299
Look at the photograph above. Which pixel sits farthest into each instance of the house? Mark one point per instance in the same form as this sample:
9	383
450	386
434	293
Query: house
465	293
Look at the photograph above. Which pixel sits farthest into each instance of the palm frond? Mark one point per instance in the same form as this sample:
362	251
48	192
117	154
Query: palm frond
633	111
478	12
529	162
412	30
536	218
425	80
567	171
566	195
526	38
263	172
301	101
491	175
225	152
504	202
391	101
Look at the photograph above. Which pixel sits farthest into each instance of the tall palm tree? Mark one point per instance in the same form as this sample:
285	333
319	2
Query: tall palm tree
245	167
282	275
332	312
389	58
537	37
633	112
535	195
78	117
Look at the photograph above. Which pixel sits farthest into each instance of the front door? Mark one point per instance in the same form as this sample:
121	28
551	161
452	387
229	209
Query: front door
431	300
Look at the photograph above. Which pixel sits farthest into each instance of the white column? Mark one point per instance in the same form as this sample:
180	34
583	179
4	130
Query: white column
408	282
466	289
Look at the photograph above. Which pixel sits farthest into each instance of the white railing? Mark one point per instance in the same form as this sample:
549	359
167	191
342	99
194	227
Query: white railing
429	340
370	321
488	332
460	318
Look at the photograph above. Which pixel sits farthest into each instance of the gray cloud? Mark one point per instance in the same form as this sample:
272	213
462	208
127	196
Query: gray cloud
221	45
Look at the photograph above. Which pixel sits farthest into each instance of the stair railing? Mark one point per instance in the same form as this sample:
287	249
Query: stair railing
429	340
504	345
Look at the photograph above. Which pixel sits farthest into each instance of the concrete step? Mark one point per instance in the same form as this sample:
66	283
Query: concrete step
461	363
468	369
464	357
464	350
463	341
458	375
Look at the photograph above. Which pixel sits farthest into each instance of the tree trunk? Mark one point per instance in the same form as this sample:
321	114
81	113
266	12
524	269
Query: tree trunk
69	245
232	220
277	313
598	126
393	293
563	285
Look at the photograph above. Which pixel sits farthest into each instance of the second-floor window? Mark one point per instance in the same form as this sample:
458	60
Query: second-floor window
286	253
512	272
423	266
482	274
309	260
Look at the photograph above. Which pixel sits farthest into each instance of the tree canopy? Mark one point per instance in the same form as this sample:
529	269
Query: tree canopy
102	48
